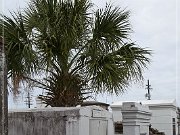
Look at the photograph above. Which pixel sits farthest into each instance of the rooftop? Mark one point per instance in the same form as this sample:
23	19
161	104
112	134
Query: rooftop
148	102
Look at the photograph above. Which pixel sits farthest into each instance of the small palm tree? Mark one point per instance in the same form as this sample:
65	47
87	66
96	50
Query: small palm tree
79	50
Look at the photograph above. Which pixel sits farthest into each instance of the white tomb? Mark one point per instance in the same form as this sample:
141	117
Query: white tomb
90	120
164	114
136	119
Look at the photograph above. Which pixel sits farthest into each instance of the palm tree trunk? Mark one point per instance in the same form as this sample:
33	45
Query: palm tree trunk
3	93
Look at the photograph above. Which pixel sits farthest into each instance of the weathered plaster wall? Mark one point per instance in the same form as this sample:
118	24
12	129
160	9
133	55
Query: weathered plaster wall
40	122
36	123
60	121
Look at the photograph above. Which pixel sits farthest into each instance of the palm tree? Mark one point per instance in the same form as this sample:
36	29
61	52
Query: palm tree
79	50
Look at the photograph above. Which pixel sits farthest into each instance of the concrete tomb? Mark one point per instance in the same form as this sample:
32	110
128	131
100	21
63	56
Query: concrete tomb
90	120
136	119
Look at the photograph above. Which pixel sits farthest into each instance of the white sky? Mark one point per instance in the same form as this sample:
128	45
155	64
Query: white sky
156	26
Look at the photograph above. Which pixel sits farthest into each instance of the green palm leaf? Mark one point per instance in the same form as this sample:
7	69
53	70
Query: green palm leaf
21	58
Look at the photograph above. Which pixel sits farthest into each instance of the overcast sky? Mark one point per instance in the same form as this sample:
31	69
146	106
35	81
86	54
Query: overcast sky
155	25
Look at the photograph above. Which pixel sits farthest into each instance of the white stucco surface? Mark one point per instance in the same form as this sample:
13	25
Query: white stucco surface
136	119
92	120
163	111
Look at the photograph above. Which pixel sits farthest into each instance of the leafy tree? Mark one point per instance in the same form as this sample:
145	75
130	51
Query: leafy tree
77	49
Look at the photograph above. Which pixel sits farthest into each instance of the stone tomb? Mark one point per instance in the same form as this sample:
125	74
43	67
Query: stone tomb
90	120
136	119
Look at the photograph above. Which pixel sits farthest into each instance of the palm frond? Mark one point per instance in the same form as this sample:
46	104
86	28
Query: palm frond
21	58
113	72
111	29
